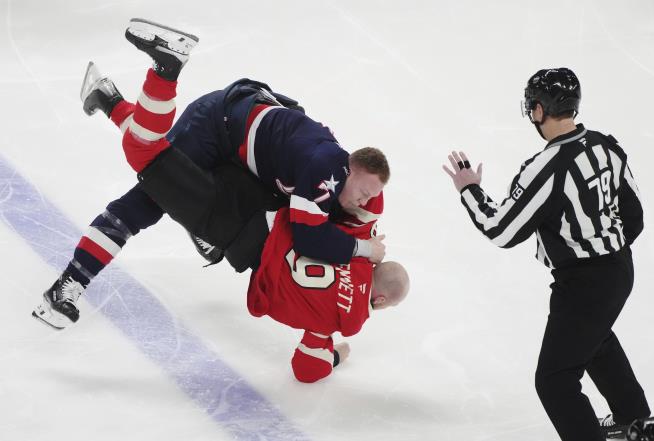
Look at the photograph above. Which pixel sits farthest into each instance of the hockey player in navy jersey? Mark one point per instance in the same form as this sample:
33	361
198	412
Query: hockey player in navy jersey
579	197
294	157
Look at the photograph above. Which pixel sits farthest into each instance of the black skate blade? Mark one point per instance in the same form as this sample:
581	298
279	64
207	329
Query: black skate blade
168	28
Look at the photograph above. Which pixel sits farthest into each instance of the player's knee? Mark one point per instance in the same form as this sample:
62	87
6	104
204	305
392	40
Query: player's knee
309	377
543	385
131	213
309	370
140	153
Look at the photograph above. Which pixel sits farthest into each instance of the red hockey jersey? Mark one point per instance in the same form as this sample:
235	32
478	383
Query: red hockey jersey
314	296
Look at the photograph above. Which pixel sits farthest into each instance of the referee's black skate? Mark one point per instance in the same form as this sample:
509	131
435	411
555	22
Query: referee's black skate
98	92
641	430
58	308
168	47
612	430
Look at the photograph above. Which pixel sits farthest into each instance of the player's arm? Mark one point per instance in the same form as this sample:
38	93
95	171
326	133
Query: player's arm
518	216
630	207
313	197
316	356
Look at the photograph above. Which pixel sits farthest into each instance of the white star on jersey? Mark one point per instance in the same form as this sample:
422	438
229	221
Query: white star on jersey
331	184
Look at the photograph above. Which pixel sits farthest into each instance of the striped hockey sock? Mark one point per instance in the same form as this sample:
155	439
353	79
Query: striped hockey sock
98	246
145	129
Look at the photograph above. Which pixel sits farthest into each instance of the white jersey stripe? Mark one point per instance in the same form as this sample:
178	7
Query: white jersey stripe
537	165
586	225
617	166
606	224
542	252
363	215
526	214
480	217
154	106
105	242
584	166
251	137
126	123
270	219
566	233
302	204
600	154
143	133
319	335
322	354
525	179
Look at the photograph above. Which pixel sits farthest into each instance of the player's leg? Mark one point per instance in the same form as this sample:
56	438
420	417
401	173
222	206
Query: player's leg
585	302
154	112
558	382
103	240
610	369
611	372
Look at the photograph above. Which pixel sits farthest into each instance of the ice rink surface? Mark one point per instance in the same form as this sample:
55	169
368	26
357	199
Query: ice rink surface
166	350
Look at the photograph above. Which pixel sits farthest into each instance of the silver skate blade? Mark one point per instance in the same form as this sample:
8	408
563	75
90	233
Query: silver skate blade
52	318
177	41
91	77
153	25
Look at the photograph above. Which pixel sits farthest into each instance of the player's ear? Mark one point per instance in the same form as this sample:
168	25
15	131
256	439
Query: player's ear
378	302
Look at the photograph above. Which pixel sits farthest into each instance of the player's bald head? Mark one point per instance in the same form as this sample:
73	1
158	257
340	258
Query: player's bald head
390	285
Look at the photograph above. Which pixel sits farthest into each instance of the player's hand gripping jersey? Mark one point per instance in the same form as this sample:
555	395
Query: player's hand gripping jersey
314	296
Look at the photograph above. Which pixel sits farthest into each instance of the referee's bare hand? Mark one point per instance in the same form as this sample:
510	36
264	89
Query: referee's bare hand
461	173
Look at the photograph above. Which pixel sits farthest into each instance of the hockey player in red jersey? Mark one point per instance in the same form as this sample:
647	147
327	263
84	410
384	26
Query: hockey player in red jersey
227	206
322	298
296	159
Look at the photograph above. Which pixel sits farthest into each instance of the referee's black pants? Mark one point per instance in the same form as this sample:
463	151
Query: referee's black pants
586	300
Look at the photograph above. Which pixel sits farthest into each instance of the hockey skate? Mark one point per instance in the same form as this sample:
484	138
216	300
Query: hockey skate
98	92
58	308
612	430
211	253
168	47
641	430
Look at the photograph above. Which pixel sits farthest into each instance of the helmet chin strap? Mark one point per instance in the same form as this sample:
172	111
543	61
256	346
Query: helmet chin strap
538	129
537	124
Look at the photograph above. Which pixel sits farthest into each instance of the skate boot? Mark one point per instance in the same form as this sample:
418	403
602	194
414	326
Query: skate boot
211	253
612	430
58	308
98	92
168	47
641	430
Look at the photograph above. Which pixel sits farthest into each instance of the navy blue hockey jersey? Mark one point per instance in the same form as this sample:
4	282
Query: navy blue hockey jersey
300	159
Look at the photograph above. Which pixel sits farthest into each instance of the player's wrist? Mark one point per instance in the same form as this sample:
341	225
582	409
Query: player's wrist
362	248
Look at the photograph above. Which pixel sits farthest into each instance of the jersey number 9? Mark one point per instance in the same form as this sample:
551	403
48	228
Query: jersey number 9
309	273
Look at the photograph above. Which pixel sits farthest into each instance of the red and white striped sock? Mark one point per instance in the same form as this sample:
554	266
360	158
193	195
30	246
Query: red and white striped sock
146	128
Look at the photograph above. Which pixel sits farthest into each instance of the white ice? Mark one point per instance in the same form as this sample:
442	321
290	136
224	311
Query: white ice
415	78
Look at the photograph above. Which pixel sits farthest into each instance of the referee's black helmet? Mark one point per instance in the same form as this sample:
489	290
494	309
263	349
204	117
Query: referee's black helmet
557	90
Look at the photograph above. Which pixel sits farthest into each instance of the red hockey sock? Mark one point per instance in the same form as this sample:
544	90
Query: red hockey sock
153	117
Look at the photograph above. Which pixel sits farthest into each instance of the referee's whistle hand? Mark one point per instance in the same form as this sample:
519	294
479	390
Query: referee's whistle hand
461	173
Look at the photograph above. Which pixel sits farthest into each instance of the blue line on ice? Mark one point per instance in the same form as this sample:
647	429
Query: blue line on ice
236	406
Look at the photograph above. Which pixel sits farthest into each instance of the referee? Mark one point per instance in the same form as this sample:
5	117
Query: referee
578	195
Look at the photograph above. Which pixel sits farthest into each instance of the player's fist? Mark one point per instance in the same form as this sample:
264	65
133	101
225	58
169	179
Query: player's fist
377	249
343	350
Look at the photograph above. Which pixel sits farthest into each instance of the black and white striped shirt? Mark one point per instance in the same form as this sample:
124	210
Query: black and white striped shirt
578	195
